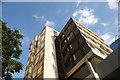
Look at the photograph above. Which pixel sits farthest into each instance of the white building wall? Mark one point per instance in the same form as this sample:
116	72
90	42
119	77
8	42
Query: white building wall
50	63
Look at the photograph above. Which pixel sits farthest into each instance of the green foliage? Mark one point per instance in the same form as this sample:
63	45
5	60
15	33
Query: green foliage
11	51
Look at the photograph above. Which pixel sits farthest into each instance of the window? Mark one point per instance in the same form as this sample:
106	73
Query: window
75	28
36	44
63	36
69	63
73	46
68	49
66	64
78	55
80	38
68	28
73	42
74	57
63	43
86	48
64	53
70	35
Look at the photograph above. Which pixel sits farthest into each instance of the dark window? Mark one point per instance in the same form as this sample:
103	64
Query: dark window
80	38
69	36
73	45
74	42
70	46
68	28
86	48
68	49
66	52
63	43
66	64
78	55
62	36
36	43
75	28
69	64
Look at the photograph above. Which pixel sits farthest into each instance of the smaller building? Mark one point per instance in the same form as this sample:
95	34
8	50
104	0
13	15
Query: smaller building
42	58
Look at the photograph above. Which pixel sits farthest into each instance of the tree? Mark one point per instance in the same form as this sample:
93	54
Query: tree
11	52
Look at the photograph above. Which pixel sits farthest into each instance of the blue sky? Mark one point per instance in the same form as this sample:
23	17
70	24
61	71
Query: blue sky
31	17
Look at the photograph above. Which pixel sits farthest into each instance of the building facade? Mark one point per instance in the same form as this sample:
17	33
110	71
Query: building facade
42	58
81	51
72	54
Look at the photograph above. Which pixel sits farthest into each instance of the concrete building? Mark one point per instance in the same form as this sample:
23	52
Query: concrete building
42	58
116	44
74	53
81	51
110	67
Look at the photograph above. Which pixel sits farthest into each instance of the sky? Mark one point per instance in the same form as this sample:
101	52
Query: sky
31	17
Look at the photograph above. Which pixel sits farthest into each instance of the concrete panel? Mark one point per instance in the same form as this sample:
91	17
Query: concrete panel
108	65
50	64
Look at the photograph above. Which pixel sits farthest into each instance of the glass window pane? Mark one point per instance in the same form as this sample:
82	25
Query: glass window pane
70	35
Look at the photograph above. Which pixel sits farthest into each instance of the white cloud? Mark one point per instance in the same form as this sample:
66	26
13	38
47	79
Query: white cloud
50	23
85	16
37	17
106	36
42	17
104	24
113	4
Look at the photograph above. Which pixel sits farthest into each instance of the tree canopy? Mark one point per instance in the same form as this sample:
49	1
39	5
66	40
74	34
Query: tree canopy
11	52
